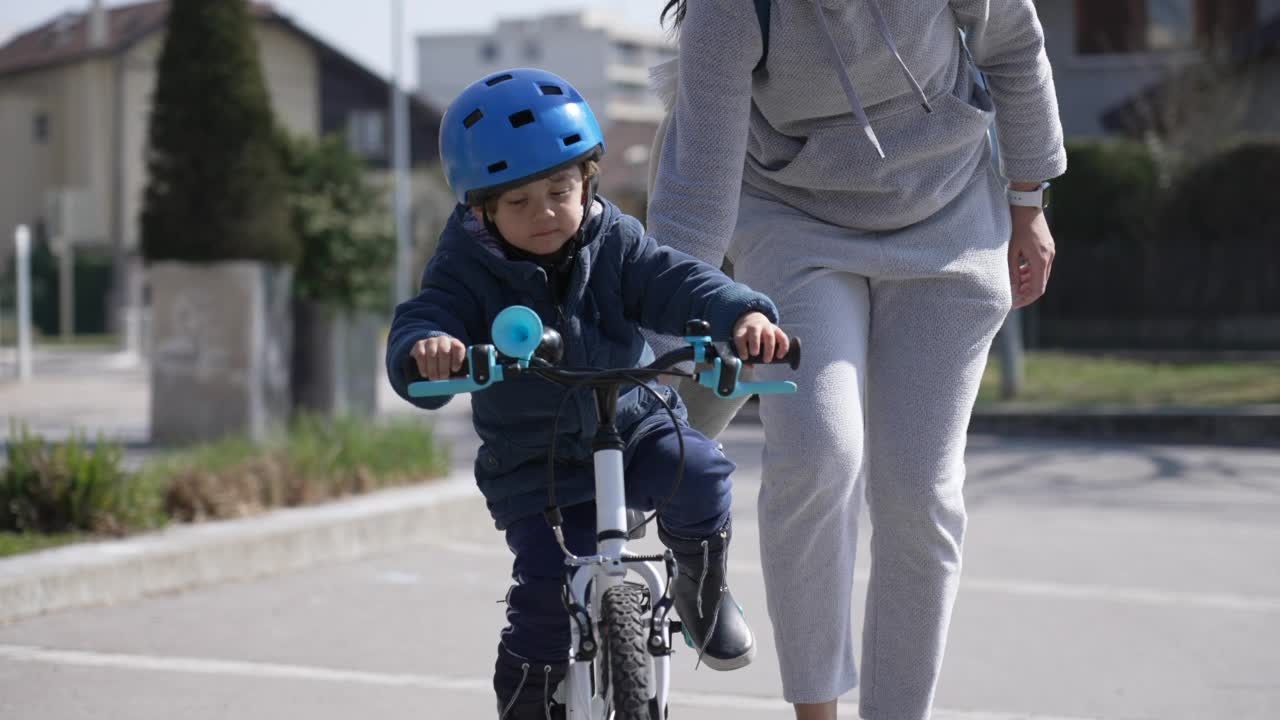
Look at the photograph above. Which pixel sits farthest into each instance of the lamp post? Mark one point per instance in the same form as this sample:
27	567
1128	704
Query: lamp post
22	245
400	158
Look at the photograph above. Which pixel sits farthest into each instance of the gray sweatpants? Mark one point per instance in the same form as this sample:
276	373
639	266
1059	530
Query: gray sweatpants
896	329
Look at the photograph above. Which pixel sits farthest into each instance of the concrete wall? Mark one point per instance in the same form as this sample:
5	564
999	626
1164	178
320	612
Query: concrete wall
293	78
73	100
24	171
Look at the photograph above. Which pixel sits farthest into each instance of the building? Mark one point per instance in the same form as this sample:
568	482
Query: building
75	102
1238	94
607	62
1106	53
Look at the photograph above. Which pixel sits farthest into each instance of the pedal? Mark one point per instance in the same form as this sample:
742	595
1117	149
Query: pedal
678	627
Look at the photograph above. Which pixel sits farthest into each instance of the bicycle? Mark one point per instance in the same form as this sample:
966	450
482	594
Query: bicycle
632	679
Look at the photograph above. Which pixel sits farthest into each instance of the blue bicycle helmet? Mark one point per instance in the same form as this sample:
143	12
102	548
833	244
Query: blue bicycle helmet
513	127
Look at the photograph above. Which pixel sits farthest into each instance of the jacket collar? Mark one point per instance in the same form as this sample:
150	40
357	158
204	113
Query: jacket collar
466	234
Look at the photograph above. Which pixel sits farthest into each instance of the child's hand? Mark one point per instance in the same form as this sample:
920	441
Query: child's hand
438	357
754	335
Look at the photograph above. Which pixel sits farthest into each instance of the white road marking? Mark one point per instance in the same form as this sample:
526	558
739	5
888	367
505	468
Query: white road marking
256	670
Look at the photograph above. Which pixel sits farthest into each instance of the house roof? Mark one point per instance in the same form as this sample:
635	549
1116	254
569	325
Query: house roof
1147	108
66	37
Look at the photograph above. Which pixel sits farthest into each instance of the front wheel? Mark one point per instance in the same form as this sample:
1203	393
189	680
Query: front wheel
627	659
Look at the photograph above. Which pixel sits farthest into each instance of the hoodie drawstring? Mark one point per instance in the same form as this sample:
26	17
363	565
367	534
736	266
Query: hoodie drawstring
846	82
893	48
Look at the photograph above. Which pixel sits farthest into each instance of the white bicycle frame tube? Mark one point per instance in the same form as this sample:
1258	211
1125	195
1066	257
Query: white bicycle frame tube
611	501
611	514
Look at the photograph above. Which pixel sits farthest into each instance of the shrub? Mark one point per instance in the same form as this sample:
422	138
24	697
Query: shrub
348	249
1101	214
50	488
1216	248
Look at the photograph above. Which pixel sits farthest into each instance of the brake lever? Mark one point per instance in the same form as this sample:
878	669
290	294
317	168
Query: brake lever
722	379
484	371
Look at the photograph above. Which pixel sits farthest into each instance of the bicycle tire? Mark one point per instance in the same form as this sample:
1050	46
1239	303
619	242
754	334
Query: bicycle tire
622	614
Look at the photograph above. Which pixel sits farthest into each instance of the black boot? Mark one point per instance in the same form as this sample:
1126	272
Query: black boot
713	621
525	687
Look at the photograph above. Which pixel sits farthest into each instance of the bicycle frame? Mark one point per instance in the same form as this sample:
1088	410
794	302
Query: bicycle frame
518	332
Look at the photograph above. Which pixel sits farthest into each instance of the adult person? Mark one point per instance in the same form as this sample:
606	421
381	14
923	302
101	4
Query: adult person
845	170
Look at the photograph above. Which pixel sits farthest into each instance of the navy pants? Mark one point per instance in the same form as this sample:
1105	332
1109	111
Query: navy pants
538	623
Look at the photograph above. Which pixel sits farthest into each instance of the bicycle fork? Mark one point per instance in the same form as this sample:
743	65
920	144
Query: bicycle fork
590	577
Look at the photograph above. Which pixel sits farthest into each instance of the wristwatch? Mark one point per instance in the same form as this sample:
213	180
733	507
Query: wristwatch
1038	198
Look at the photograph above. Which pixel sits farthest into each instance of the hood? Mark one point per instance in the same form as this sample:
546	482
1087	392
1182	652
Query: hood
664	78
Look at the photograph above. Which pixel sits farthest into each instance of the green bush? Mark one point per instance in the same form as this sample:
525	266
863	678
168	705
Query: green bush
1216	247
1101	215
216	188
70	486
348	249
1107	196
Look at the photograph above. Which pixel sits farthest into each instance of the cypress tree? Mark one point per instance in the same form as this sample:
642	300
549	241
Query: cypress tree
216	189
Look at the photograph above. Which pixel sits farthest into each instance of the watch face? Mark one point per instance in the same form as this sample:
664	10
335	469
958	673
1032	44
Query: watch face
1044	198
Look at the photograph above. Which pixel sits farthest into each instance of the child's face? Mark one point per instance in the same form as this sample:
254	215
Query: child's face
541	216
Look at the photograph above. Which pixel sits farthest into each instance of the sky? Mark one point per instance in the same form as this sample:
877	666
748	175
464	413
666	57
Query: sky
362	28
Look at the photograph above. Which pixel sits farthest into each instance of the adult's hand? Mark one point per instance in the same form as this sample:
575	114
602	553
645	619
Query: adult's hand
1031	252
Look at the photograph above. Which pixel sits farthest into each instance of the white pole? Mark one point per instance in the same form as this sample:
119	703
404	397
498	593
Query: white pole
22	241
400	155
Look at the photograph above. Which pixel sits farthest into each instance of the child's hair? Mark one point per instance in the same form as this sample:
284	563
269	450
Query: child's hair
590	168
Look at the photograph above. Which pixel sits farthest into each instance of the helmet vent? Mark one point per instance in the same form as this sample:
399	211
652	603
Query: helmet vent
497	79
472	119
498	167
551	89
571	139
522	118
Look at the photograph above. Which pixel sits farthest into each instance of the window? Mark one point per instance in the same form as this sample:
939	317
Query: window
1169	25
628	53
489	52
1128	26
367	133
1221	20
40	128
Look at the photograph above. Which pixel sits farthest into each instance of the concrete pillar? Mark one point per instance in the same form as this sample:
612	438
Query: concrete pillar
221	349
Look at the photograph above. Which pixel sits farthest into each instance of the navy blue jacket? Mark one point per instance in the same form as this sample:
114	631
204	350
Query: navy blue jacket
621	280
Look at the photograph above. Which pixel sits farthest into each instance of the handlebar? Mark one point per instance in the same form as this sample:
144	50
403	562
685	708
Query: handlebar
523	346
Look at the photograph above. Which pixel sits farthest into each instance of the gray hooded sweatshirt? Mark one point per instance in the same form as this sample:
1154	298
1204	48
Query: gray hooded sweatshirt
866	114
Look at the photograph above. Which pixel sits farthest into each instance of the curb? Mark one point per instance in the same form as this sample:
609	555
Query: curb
1246	425
1249	425
186	556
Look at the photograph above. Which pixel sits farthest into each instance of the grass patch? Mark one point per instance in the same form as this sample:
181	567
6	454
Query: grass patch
53	493
316	460
1069	380
12	543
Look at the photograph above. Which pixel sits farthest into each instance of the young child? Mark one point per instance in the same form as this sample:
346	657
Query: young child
519	149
